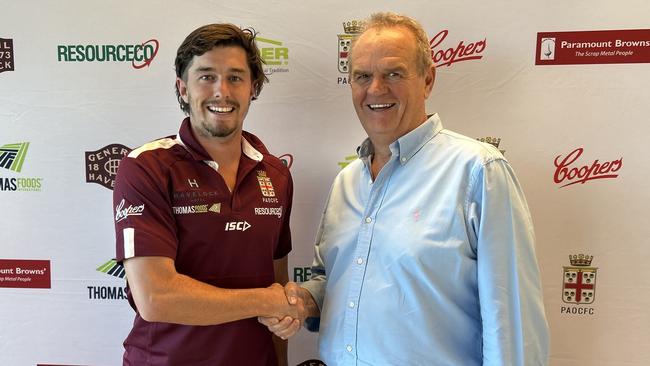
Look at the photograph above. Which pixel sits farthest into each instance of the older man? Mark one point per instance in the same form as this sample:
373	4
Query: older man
425	253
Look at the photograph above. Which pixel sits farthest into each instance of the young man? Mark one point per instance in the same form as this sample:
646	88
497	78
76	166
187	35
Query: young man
425	254
201	255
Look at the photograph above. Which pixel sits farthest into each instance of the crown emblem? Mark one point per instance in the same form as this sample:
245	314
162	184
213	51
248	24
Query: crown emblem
495	141
353	26
581	260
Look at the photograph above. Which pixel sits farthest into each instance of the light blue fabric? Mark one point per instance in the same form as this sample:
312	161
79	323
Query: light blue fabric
431	264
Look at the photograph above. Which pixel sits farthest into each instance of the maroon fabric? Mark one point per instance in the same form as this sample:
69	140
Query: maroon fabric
176	187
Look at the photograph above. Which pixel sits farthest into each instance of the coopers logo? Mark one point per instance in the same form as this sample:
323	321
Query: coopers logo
446	56
568	172
122	213
25	273
102	164
6	55
12	157
139	55
593	47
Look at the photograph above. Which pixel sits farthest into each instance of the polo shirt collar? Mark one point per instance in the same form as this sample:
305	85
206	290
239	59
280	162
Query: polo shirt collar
408	145
192	145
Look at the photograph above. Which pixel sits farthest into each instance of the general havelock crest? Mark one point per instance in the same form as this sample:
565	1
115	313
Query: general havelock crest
579	286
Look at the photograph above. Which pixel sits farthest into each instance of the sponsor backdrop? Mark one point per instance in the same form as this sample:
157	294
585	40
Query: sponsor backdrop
560	88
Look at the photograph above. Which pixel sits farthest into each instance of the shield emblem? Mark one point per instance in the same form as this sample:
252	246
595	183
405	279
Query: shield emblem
345	40
579	285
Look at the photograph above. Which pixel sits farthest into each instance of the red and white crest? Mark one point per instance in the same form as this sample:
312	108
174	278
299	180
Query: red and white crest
265	184
579	280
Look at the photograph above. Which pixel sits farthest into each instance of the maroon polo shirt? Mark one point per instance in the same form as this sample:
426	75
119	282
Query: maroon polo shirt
169	200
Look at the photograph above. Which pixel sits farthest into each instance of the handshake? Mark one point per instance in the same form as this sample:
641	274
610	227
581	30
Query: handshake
290	306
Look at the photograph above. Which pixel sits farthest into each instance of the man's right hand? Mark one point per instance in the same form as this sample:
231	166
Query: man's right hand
301	306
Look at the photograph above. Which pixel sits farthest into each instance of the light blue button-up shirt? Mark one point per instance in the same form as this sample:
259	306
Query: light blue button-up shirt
432	263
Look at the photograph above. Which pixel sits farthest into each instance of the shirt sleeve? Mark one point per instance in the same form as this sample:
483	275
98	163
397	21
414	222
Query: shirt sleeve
144	224
515	331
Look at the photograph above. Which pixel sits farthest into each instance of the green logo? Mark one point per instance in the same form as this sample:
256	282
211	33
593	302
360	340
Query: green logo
275	57
348	160
112	268
12	156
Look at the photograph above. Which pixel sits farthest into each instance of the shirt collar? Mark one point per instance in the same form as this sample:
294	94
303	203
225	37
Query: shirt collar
408	145
186	138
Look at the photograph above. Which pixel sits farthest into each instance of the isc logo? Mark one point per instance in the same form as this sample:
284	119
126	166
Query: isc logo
237	225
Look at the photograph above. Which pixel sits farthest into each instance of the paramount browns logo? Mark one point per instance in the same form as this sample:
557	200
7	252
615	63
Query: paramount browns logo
6	55
102	164
451	55
139	55
593	47
567	173
25	273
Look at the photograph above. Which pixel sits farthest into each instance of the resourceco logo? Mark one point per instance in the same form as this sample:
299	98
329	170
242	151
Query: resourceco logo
140	55
287	160
274	55
102	164
568	173
6	55
12	157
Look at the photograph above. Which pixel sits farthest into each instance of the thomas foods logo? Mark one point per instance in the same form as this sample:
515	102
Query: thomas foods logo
593	47
463	51
25	273
274	55
6	55
139	55
568	171
579	285
103	292
102	164
12	157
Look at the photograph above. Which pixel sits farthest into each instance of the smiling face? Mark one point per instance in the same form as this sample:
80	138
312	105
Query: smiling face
218	88
388	92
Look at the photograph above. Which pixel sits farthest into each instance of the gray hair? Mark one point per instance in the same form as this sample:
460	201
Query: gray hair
392	20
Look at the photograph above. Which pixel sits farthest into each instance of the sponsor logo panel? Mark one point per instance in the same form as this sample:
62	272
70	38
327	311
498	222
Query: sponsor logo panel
12	157
102	164
6	54
567	173
579	285
25	273
274	55
139	55
593	47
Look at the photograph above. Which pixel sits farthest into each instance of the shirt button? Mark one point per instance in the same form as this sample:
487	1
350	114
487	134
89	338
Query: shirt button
368	220
351	304
403	159
349	348
359	260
